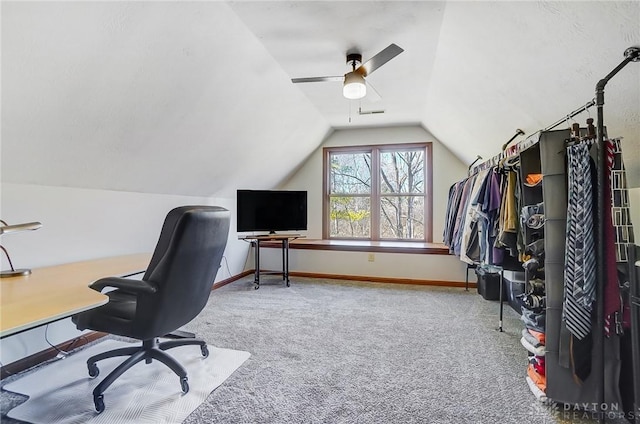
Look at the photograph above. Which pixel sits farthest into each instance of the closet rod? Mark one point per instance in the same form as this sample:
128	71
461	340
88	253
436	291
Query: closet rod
518	132
571	115
530	141
632	54
473	163
494	160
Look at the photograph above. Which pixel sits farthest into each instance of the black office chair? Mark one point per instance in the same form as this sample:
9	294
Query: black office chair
173	291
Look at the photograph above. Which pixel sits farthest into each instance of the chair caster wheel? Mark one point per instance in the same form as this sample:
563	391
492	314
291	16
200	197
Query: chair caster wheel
98	401
205	350
184	385
93	370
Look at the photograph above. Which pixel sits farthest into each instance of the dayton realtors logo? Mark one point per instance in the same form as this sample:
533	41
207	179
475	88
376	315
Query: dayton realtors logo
550	412
594	411
546	412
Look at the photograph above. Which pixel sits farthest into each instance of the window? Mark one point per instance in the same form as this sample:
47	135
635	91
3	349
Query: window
378	192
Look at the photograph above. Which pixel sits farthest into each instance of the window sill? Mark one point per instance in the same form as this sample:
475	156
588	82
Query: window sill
365	246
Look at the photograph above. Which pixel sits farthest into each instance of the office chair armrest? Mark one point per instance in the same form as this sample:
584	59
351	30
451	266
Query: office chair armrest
125	284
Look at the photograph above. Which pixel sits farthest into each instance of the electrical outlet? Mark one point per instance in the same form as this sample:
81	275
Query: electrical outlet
371	257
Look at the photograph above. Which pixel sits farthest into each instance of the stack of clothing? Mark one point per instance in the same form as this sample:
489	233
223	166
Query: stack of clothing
533	315
534	342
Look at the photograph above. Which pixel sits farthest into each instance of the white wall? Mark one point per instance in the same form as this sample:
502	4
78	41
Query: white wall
83	224
447	169
392	265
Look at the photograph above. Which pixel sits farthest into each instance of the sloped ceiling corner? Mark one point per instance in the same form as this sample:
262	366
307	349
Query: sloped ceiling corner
312	38
159	97
501	66
195	98
471	72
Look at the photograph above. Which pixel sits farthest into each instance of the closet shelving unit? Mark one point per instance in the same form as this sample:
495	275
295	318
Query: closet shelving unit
544	152
547	157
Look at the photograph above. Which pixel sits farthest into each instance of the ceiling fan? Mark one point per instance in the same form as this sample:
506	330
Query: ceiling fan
354	84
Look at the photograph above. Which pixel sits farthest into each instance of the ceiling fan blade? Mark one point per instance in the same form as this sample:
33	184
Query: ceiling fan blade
380	59
318	79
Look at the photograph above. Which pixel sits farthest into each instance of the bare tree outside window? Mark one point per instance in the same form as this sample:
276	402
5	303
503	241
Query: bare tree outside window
350	204
402	194
378	192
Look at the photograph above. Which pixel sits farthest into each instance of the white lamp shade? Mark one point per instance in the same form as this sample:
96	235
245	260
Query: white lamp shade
354	86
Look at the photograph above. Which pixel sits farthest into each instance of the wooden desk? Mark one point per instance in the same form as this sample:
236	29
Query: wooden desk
52	293
284	239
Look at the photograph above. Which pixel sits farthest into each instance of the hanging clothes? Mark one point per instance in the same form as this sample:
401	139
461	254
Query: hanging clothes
473	215
508	221
453	203
576	338
580	256
461	215
491	208
449	215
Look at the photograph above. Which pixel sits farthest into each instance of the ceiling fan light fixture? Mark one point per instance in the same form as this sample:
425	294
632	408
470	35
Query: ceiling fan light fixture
354	87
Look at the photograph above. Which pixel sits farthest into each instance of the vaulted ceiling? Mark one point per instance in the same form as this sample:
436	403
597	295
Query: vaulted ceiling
195	98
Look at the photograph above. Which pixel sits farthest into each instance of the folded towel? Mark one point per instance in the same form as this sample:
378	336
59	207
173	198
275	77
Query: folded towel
540	350
539	394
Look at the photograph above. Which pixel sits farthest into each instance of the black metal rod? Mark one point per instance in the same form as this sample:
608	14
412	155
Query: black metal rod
472	163
518	132
500	320
631	54
256	278
558	122
284	263
571	115
504	147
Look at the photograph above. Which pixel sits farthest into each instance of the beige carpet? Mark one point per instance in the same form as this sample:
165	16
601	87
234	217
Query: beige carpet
61	392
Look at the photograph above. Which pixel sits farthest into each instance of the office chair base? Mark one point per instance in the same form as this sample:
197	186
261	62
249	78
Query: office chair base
150	350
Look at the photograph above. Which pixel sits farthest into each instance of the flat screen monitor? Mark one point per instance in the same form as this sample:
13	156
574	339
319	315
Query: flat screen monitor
271	210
